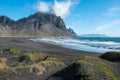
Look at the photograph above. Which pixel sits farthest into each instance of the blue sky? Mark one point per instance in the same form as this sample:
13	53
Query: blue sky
83	16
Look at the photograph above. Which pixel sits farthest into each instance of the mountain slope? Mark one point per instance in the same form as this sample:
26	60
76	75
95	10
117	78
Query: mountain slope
39	24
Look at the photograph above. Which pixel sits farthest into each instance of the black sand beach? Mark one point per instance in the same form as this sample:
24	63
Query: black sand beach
27	45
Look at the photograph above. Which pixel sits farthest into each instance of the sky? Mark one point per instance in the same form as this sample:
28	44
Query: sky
83	16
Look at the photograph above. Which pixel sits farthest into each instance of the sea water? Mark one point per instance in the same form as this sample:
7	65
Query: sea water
91	44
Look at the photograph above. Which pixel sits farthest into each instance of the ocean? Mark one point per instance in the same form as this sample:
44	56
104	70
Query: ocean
91	44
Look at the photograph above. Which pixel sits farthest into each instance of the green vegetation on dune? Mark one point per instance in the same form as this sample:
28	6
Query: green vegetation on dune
40	64
84	57
87	65
54	57
108	72
17	64
15	51
36	64
97	66
1	51
49	64
36	56
3	63
11	50
14	57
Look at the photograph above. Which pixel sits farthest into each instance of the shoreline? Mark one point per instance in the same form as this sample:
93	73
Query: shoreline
25	44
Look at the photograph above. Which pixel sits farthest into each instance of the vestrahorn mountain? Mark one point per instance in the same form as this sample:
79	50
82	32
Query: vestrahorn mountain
39	24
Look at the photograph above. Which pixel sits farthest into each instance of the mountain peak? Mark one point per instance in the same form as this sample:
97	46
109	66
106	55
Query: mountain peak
38	24
49	17
4	20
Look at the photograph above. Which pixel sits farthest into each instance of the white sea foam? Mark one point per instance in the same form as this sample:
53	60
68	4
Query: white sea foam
85	45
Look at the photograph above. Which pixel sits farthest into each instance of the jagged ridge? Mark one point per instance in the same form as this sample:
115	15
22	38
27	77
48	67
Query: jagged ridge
39	24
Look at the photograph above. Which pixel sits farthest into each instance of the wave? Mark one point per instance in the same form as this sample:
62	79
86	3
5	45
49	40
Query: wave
85	45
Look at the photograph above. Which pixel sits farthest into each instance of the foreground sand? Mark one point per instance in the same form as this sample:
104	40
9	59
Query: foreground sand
28	46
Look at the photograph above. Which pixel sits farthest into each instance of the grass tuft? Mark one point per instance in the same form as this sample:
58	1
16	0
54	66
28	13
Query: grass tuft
3	63
16	64
15	51
108	72
1	51
36	56
83	58
55	58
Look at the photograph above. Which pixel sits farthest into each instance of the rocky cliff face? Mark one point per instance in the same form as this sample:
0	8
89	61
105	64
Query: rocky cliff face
39	24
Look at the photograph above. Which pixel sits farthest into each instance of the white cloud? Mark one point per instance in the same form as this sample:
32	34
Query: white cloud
106	26
113	11
60	8
109	13
63	8
42	6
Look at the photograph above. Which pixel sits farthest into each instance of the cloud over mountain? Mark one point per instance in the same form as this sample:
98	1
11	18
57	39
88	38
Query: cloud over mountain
42	6
59	8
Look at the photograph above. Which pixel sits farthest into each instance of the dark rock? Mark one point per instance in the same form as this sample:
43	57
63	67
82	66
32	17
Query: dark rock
111	56
71	31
